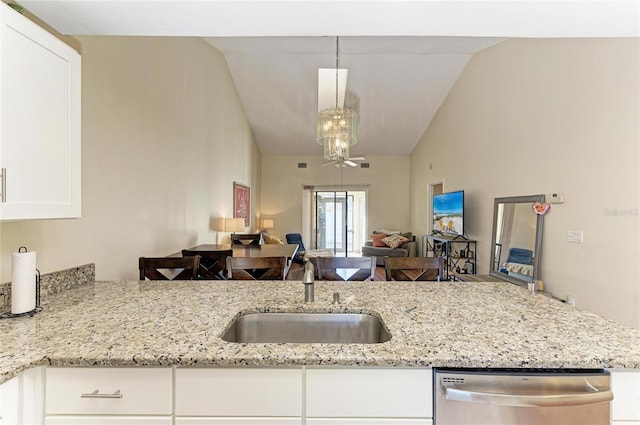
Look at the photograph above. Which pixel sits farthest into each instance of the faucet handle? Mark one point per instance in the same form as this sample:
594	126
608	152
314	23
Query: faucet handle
336	297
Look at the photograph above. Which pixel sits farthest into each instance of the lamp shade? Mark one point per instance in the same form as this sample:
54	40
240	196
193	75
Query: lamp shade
233	224
217	224
267	224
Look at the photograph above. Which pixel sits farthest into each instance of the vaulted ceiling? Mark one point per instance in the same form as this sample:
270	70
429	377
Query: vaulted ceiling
403	56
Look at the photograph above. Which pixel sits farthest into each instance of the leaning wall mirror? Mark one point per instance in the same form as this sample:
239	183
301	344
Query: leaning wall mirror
516	239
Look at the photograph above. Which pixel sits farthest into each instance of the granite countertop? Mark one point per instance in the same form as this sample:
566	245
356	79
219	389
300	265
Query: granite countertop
494	324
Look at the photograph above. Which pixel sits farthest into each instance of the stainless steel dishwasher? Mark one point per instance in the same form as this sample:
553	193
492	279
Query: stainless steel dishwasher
521	396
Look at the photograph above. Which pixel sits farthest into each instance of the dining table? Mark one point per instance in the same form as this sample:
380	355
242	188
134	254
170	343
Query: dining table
264	250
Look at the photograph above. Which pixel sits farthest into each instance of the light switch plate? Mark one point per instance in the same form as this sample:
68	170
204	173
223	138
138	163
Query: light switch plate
555	198
575	236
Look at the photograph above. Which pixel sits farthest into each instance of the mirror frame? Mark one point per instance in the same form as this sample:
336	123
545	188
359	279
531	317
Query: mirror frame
538	246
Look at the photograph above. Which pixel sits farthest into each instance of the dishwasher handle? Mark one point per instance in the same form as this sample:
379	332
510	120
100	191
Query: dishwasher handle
528	400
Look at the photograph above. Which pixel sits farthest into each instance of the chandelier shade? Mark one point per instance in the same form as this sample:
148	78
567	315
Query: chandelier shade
337	130
337	127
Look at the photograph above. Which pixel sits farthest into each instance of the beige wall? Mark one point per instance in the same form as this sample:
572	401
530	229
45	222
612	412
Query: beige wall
387	182
542	116
164	137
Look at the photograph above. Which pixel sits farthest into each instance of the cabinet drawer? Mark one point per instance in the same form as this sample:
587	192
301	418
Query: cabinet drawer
142	391
367	393
237	421
239	392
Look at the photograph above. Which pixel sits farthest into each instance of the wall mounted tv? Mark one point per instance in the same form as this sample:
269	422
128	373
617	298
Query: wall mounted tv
448	213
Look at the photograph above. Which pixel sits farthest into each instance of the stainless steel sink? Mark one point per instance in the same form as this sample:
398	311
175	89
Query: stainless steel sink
338	328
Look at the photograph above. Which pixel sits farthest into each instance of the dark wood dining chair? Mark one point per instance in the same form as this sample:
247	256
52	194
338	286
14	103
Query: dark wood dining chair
413	268
256	268
296	239
176	268
246	239
212	263
346	268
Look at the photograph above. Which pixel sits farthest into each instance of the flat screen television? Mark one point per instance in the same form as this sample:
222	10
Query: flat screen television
448	213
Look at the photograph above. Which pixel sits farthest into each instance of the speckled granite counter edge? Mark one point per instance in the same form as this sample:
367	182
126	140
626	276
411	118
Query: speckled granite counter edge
136	323
53	283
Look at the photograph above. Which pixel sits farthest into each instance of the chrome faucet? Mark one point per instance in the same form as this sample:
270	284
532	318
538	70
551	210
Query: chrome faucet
308	280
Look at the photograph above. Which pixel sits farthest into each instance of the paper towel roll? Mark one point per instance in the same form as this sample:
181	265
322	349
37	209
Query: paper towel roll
23	282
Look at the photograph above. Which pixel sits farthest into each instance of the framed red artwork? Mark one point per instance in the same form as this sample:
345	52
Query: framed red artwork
241	201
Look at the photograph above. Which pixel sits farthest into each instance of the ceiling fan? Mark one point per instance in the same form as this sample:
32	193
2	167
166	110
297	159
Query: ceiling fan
344	162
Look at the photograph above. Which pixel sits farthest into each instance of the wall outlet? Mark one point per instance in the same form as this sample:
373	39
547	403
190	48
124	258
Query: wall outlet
571	300
575	236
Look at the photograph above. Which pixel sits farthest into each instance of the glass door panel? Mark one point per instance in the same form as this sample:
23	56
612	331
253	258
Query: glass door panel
336	221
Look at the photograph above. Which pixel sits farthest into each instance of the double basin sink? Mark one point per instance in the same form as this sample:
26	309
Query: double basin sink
306	327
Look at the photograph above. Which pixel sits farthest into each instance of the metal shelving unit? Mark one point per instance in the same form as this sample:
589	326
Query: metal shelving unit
458	252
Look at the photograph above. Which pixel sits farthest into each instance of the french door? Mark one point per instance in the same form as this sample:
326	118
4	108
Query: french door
339	221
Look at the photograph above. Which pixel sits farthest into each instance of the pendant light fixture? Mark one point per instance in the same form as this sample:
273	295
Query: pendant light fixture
337	128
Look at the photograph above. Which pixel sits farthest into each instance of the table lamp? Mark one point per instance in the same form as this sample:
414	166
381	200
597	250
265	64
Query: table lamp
233	225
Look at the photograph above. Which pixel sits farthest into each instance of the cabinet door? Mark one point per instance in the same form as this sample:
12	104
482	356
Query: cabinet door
241	392
21	398
10	402
369	393
39	121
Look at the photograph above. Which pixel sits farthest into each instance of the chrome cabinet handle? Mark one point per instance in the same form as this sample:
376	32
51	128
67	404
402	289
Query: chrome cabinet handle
96	394
527	400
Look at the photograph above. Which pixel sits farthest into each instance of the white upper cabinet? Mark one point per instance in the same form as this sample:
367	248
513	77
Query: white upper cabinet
39	122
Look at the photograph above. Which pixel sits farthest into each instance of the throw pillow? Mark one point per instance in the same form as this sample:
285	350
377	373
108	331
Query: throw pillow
394	241
377	238
268	239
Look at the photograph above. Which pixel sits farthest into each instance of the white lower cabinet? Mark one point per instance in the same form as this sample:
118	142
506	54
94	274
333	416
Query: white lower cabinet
108	396
625	407
9	402
21	398
331	396
247	396
243	396
369	396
